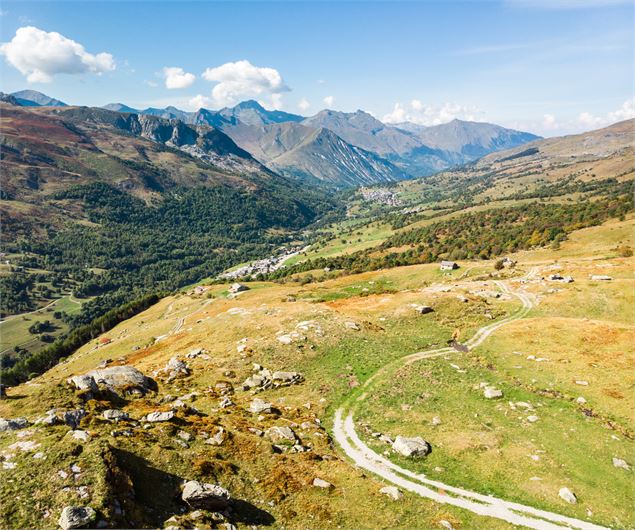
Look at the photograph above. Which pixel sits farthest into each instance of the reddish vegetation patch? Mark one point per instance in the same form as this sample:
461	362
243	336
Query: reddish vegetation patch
33	127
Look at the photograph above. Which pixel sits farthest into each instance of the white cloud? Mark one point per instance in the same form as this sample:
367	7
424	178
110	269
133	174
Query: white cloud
153	84
241	80
625	112
584	121
303	104
422	114
199	101
549	122
276	101
176	77
40	55
329	101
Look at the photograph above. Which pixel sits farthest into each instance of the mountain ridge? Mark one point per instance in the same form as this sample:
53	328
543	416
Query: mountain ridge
396	152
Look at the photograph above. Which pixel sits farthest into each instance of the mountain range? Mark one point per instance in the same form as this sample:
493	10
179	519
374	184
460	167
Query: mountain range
335	148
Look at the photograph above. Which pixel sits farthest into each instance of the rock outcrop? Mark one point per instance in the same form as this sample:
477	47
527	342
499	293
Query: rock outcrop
205	496
124	380
76	517
411	447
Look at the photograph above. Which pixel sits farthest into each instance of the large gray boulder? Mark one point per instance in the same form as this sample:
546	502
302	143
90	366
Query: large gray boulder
567	495
259	406
120	379
411	447
174	368
76	517
205	496
160	416
84	382
115	415
13	424
73	417
492	393
287	378
280	434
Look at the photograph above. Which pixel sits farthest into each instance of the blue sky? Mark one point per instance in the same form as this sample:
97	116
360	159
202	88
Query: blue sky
548	66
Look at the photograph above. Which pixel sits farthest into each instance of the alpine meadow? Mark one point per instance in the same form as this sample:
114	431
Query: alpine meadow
317	264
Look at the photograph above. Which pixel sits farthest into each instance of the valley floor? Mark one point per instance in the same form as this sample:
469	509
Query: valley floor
564	419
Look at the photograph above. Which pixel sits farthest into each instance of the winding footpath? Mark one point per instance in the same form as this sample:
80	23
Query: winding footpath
485	505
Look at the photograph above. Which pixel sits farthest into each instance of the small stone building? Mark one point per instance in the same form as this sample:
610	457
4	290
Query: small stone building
449	265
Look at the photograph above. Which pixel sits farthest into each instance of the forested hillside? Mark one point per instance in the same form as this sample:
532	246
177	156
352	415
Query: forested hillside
109	209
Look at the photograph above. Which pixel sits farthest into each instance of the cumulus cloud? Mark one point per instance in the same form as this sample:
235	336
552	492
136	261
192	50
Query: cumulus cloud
329	101
303	104
40	55
422	114
200	102
625	112
241	80
176	77
549	122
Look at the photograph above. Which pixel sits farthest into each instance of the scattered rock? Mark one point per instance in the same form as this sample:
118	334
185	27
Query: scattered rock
532	419
352	325
13	424
285	339
393	492
186	436
226	403
76	517
73	417
446	524
411	447
194	353
320	483
115	415
160	416
205	496
618	462
26	446
492	393
117	378
83	382
256	381
580	400
287	378
82	436
436	420
218	438
258	406
601	277
422	309
174	368
582	383
567	495
280	434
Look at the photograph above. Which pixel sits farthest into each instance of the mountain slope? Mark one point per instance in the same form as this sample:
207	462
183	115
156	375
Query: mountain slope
316	155
32	98
580	163
324	155
363	130
110	206
120	107
471	139
420	150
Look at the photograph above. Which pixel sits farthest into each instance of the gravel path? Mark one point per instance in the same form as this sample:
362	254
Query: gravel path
364	457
